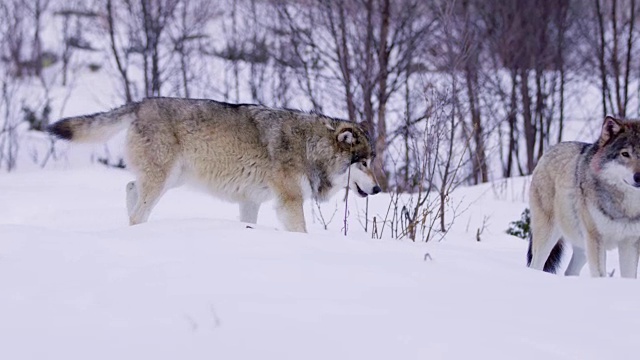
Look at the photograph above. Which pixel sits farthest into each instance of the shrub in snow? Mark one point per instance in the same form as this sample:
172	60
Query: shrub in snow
521	228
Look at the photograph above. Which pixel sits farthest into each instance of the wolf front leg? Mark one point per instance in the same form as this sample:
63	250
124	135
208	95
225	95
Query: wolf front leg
628	252
249	211
289	201
292	215
578	259
594	246
596	254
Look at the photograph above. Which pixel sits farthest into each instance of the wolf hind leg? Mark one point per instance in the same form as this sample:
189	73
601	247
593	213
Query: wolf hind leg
249	211
153	154
545	248
628	252
578	259
148	189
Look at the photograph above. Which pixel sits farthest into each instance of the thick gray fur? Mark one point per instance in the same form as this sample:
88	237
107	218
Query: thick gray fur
243	153
589	195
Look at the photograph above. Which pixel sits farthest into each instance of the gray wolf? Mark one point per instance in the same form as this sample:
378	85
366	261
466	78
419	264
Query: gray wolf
242	153
589	196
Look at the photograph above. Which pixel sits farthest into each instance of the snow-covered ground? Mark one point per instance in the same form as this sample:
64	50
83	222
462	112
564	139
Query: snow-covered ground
193	283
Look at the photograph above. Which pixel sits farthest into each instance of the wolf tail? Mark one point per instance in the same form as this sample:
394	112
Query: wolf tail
553	261
94	128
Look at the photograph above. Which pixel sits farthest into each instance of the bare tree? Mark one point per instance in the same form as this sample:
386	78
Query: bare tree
37	8
22	52
153	18
168	41
615	52
532	50
297	49
188	34
9	118
74	18
365	52
117	51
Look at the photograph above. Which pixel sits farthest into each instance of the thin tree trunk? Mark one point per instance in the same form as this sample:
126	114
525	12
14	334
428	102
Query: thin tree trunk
480	172
406	131
601	54
234	36
367	80
562	21
145	54
383	62
443	191
512	126
539	116
529	126
65	49
114	50
632	22
344	63
615	62
37	43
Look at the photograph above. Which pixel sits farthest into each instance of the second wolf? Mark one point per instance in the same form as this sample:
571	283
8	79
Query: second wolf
244	153
589	196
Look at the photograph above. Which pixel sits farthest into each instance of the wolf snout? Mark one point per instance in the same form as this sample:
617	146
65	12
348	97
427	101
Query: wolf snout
364	193
636	180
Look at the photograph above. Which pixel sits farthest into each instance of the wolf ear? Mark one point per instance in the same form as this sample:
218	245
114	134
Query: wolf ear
610	128
346	136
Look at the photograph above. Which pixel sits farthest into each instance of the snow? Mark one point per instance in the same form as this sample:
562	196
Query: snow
76	282
194	283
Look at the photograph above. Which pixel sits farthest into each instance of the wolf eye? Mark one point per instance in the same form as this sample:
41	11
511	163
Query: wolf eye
364	163
625	154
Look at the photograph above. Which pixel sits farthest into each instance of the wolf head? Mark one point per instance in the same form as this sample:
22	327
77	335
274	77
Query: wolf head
355	142
617	159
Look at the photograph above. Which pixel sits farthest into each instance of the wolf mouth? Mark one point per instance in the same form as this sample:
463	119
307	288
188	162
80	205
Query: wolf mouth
360	192
636	185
